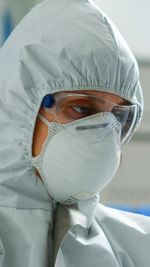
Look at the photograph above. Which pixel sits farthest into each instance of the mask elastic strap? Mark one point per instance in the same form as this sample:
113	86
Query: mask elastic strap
43	119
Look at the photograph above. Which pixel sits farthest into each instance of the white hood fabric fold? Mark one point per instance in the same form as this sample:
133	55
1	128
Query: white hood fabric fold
61	46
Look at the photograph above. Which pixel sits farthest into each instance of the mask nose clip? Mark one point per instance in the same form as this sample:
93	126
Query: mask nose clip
88	127
93	129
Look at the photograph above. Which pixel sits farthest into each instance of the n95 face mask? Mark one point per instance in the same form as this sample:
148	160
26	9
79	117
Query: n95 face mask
78	159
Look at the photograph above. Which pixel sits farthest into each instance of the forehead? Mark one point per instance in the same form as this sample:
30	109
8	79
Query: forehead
109	96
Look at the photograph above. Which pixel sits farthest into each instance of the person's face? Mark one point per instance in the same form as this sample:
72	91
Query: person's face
41	129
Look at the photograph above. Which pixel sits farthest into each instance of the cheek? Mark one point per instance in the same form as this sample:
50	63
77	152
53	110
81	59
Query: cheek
39	136
40	132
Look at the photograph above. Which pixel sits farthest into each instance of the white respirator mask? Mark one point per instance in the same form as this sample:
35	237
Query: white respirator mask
79	158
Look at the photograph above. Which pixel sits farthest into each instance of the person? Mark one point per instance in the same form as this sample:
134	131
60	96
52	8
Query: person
70	100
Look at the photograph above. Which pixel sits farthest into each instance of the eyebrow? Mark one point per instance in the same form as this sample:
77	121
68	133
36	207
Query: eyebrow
123	102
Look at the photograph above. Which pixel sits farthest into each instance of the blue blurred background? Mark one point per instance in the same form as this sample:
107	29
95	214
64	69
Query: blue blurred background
130	188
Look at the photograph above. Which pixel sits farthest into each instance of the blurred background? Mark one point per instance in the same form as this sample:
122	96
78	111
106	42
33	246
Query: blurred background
130	188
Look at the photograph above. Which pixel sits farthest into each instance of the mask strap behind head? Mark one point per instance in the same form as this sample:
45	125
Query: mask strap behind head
43	119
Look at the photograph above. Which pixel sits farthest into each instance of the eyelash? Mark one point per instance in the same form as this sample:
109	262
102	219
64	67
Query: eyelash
74	107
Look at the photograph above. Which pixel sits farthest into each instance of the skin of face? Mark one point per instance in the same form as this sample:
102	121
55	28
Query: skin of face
41	129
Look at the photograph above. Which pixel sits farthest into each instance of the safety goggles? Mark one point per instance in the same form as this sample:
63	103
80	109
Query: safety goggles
66	108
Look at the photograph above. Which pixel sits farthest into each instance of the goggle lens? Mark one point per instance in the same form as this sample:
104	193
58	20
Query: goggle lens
70	107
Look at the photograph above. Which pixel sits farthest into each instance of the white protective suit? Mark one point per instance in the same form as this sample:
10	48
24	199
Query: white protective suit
61	45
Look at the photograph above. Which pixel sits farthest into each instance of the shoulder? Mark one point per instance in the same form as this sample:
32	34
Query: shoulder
128	219
128	235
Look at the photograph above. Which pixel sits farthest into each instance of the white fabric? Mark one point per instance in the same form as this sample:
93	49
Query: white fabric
115	239
61	45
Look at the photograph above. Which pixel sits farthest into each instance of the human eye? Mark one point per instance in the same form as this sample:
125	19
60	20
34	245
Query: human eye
82	110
